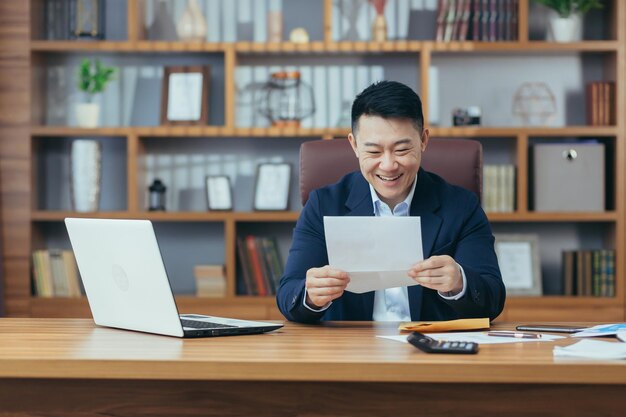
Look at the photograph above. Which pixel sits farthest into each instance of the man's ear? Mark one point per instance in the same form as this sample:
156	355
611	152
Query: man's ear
352	141
425	139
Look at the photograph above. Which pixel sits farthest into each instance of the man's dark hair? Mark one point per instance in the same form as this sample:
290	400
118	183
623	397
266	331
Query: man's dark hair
388	99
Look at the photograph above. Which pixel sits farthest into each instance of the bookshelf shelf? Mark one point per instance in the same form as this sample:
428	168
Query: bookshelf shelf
30	228
279	216
260	132
324	47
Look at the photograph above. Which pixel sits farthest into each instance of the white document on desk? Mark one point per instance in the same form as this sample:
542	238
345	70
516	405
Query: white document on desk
377	252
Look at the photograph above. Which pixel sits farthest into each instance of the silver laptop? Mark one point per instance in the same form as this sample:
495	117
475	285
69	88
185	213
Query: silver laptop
127	286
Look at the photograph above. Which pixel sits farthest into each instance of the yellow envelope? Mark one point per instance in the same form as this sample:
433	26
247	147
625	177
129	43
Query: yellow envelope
444	326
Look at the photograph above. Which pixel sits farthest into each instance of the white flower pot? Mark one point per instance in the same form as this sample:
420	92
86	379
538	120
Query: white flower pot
85	169
565	29
88	115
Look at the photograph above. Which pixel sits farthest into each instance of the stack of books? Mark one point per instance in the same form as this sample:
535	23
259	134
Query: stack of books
55	273
499	188
477	20
261	265
210	281
600	103
589	273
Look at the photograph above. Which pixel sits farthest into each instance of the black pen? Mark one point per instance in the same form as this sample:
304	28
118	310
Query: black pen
519	335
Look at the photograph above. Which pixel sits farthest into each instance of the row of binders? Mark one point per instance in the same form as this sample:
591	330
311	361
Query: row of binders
477	20
55	273
600	100
589	273
261	265
499	188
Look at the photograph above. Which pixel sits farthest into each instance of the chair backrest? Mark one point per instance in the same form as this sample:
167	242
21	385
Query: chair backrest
324	162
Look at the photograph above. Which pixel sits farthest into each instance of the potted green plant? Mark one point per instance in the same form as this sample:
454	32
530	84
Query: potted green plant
566	18
93	78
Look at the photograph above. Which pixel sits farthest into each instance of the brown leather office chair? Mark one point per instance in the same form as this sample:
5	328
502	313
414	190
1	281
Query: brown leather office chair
324	162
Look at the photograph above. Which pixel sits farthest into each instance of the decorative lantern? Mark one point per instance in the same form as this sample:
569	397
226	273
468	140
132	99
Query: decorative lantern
287	99
87	19
157	195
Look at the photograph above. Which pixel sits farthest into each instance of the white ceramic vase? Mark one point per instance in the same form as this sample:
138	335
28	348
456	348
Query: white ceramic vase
88	115
565	29
85	171
192	25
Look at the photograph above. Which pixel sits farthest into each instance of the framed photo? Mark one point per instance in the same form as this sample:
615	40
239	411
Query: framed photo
271	191
518	256
185	96
218	192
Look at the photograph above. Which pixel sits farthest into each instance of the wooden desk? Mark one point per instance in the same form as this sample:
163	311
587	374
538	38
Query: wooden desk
70	367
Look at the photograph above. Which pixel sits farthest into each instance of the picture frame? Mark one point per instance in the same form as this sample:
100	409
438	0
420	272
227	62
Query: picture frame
218	193
272	185
518	257
185	95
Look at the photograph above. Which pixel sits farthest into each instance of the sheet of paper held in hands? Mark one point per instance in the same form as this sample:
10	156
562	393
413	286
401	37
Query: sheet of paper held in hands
377	252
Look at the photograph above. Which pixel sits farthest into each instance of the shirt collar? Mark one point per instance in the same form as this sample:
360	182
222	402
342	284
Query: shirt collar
376	201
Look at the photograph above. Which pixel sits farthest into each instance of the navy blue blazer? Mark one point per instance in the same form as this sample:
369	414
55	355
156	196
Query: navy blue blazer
453	223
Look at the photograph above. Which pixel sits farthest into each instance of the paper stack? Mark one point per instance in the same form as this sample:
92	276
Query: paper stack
592	349
210	280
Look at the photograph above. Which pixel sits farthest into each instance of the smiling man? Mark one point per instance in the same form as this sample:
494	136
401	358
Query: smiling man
459	278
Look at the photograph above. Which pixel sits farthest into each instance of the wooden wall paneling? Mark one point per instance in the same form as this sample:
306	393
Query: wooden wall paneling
15	24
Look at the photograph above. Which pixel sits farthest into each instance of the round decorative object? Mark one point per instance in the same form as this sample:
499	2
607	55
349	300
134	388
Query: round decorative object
287	99
299	35
534	103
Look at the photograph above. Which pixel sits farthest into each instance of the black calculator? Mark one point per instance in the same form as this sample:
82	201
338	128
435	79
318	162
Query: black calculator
430	345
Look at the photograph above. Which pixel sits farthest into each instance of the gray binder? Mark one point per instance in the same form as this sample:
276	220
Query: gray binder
569	177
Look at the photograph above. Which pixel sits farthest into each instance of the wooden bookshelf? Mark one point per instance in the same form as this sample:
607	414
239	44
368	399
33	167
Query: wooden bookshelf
21	129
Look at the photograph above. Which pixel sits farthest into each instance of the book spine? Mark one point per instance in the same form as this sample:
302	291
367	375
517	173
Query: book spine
256	265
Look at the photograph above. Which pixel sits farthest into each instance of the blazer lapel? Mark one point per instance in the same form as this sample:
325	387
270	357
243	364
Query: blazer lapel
425	203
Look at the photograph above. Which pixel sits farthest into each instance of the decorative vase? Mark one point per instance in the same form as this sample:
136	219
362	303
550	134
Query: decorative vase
192	25
162	27
350	10
565	29
87	115
85	172
379	28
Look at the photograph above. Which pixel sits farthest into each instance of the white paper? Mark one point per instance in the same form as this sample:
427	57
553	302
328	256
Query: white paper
481	338
601	330
377	252
592	349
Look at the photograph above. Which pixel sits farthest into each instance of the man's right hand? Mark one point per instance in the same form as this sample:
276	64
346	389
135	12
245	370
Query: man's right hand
323	285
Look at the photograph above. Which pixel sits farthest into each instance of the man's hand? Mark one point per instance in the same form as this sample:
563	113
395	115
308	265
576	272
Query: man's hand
323	285
439	273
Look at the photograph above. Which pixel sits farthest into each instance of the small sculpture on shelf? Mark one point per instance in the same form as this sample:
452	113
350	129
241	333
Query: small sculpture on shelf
157	195
349	10
534	103
287	99
87	19
379	27
192	25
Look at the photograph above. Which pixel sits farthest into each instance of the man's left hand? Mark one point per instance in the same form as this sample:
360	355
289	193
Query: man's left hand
440	273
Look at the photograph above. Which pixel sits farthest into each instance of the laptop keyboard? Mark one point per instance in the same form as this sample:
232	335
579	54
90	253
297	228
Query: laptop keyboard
196	324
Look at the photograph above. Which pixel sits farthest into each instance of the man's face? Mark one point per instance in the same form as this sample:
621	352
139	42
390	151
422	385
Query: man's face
390	153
